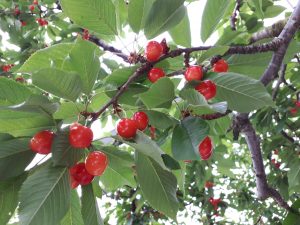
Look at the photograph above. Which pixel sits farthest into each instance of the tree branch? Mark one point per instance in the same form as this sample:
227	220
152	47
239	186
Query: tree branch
243	124
286	35
233	17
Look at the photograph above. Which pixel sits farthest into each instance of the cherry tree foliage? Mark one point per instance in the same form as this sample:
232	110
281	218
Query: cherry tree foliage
199	131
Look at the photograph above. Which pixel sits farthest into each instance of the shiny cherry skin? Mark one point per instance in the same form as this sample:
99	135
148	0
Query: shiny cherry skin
96	163
154	51
79	174
142	120
221	66
74	183
80	136
127	128
205	148
193	73
207	88
155	74
41	142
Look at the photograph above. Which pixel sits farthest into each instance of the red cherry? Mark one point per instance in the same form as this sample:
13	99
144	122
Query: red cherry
17	11
80	136
193	73
41	142
6	68
209	184
35	2
154	51
127	128
96	163
142	120
220	66
205	148
20	79
207	88
23	23
74	183
297	103
155	74
31	7
80	174
214	202
293	111
277	165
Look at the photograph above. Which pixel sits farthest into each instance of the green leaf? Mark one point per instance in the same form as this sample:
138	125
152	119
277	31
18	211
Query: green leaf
294	174
158	185
273	11
258	7
9	197
153	98
81	57
63	154
96	15
69	110
12	92
182	28
73	216
145	145
89	209
160	120
292	218
23	123
186	138
120	76
44	196
15	155
213	13
119	171
138	11
242	93
164	15
199	105
36	104
58	82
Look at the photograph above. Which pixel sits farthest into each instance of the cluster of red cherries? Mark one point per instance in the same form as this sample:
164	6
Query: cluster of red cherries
127	127
80	137
32	7
275	163
207	88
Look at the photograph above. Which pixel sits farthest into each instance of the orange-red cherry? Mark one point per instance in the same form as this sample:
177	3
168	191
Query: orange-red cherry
205	148
96	163
80	136
155	74
127	128
207	88
154	51
142	120
35	2
221	66
79	174
41	142
193	73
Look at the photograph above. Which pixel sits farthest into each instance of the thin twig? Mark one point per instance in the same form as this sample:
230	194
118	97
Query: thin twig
279	81
234	15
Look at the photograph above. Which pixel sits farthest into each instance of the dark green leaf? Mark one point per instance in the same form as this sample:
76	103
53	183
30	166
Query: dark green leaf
15	156
158	186
186	138
44	196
